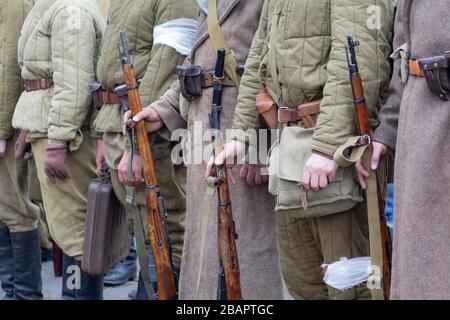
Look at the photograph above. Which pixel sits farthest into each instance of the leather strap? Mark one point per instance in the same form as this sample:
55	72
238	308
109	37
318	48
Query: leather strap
308	113
102	97
110	97
41	84
415	69
287	115
208	80
219	41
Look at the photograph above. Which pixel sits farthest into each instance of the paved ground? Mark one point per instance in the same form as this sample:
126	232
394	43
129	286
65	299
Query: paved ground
52	286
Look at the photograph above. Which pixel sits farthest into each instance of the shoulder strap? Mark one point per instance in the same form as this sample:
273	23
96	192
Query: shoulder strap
347	155
219	41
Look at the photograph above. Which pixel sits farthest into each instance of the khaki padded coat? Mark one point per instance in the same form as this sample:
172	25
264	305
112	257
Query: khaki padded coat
48	48
154	64
299	53
12	16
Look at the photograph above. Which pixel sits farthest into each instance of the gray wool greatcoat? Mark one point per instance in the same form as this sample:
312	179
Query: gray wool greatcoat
252	206
416	123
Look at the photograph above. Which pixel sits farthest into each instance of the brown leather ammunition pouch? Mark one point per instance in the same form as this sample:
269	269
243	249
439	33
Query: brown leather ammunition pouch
107	239
193	80
306	113
436	72
190	81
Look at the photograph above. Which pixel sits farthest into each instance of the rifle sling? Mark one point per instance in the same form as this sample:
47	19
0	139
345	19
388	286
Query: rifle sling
218	40
347	155
373	213
142	252
206	211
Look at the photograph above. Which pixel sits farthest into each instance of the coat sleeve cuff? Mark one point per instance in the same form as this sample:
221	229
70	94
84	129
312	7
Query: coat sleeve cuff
322	154
386	136
324	149
57	143
170	117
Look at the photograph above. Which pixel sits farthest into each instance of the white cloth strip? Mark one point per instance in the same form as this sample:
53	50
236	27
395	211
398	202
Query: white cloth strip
178	34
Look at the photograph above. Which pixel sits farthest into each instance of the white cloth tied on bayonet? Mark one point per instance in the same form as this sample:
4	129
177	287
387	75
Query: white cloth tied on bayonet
178	34
347	274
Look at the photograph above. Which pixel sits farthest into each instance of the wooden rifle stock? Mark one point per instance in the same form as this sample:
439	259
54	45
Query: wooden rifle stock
365	132
229	274
159	242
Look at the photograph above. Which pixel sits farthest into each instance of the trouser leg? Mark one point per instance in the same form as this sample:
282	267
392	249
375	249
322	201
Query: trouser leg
300	258
306	244
65	202
20	271
345	235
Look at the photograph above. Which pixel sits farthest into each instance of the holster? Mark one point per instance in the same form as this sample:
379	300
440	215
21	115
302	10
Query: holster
267	109
96	88
436	72
107	239
190	81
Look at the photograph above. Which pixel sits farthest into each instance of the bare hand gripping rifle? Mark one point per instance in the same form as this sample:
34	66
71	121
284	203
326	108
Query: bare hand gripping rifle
156	213
229	282
365	134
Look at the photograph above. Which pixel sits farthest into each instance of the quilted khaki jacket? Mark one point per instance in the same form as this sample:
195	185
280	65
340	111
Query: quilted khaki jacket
12	16
299	54
154	64
60	39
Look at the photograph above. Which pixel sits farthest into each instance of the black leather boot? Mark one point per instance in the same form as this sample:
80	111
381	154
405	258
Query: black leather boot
6	264
78	285
124	271
27	265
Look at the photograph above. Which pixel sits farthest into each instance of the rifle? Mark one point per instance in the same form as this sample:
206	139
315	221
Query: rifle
229	282
365	133
156	211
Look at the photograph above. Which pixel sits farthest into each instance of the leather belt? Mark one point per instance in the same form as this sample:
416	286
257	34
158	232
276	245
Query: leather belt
208	80
35	85
102	97
415	69
109	97
307	113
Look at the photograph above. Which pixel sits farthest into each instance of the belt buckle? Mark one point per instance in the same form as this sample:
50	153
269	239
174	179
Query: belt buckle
217	80
281	110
